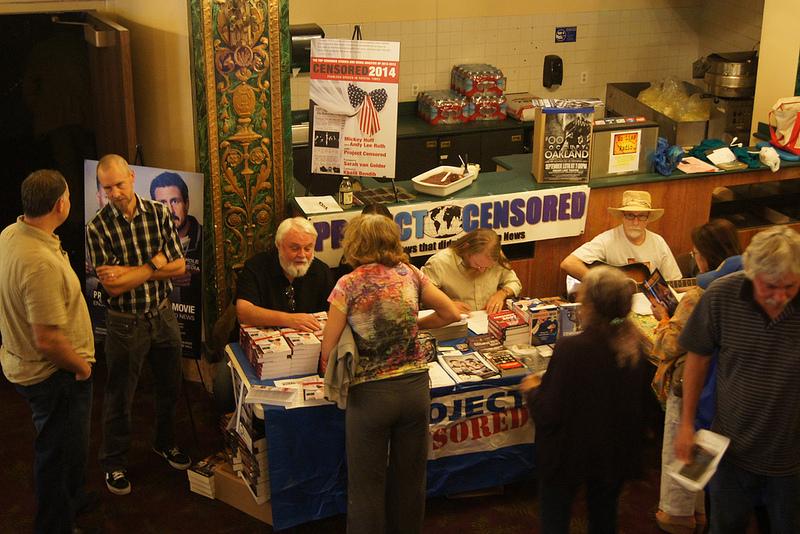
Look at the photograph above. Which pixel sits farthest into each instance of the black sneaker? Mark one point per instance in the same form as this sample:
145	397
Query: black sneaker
176	458
117	482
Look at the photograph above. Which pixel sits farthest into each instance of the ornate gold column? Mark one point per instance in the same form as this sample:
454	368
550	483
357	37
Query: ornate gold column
241	65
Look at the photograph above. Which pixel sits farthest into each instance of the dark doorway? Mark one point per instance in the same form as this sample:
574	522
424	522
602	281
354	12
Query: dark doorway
46	114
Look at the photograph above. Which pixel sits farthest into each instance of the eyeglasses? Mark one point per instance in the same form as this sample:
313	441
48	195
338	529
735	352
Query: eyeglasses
641	217
290	297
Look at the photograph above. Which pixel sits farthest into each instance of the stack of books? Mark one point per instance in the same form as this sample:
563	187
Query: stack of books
506	363
201	475
271	357
509	327
249	452
322	319
305	352
280	353
484	343
454	330
542	318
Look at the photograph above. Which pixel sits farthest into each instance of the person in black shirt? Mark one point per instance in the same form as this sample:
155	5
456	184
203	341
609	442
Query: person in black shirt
283	287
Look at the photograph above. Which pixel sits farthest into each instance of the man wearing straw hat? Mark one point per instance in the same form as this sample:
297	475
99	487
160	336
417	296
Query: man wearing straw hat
630	242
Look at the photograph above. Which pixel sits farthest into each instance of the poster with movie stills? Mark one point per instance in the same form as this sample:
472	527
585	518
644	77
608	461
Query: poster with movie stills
182	193
353	107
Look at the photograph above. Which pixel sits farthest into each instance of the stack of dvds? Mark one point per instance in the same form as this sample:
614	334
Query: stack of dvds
509	327
201	475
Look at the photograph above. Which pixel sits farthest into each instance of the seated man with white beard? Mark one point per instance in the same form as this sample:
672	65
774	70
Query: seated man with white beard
283	287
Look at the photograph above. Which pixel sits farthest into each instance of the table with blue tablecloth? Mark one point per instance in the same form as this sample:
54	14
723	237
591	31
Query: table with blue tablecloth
480	437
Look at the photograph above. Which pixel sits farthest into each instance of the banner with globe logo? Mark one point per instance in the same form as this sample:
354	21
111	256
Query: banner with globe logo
428	227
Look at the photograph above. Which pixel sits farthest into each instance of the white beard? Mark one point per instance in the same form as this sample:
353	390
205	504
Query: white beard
634	234
294	270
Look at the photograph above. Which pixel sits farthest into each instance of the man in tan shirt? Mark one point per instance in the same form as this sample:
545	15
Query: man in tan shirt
48	347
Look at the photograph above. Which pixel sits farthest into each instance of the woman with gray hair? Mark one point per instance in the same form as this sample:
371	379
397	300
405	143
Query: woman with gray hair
588	407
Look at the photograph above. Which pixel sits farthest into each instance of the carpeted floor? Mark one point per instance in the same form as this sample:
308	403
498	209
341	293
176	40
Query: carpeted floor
162	503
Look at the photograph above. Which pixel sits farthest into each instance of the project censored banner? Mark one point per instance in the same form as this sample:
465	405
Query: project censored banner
477	421
353	107
428	227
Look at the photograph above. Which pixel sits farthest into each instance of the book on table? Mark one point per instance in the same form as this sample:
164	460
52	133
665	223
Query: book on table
469	367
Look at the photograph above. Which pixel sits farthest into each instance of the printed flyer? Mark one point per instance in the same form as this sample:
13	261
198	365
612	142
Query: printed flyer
353	107
624	151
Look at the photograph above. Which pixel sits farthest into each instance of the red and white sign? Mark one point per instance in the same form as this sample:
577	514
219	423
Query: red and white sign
478	421
353	104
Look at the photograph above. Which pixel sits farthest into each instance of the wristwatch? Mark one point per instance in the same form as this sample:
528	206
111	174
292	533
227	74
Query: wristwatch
152	265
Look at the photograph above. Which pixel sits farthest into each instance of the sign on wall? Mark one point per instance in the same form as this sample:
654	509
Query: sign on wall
428	227
353	94
182	193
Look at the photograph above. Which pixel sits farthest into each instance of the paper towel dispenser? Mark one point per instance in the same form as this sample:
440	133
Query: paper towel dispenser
301	35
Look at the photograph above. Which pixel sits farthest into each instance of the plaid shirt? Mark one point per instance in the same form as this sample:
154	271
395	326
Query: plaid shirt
113	240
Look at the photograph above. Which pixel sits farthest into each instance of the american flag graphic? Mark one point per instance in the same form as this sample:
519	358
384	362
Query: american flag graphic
368	105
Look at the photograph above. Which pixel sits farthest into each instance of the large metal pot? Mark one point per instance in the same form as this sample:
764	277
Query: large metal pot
729	74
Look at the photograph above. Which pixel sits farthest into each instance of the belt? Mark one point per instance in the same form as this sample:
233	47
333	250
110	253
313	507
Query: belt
149	314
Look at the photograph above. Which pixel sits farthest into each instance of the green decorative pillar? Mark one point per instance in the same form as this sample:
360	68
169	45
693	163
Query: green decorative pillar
241	74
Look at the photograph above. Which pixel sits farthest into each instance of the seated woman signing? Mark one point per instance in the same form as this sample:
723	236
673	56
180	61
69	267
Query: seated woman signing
474	272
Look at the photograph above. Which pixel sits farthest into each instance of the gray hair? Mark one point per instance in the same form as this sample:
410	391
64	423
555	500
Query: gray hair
773	253
300	224
608	294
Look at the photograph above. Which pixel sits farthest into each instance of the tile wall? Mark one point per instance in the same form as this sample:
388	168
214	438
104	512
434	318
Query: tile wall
730	25
612	46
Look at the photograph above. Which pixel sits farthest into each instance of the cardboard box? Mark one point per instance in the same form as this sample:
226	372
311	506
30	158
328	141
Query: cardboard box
562	144
232	490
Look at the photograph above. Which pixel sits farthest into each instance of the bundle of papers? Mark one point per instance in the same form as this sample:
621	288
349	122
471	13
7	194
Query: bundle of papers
454	330
438	376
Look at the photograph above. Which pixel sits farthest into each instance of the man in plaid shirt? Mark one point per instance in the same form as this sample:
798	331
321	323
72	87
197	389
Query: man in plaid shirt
136	251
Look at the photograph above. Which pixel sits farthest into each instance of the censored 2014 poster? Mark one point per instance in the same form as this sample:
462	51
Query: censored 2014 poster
182	193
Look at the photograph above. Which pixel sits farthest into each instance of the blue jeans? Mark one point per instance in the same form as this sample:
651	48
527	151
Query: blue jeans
735	492
555	505
61	410
131	340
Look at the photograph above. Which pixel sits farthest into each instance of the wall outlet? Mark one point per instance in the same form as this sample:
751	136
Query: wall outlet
414	89
584	78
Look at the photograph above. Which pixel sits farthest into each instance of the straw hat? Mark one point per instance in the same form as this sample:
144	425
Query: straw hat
637	201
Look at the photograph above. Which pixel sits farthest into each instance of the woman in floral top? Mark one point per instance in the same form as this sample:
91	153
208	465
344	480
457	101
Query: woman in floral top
389	399
715	243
